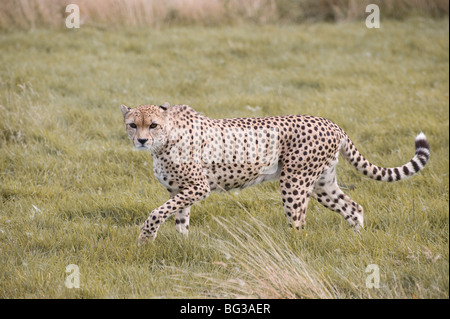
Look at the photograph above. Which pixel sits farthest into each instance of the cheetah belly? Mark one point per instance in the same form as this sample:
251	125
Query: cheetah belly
267	174
228	180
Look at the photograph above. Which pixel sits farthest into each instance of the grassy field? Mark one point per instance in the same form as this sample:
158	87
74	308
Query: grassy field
73	190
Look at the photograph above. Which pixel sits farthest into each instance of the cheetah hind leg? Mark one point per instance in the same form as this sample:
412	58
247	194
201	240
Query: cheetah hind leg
327	192
295	202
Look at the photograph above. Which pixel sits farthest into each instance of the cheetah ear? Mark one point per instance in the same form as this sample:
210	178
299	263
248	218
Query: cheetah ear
124	109
165	106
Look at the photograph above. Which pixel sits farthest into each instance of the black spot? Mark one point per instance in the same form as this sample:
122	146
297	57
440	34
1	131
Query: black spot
416	167
406	170
397	173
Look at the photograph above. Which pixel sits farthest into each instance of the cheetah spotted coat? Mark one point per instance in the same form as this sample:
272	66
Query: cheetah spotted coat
194	154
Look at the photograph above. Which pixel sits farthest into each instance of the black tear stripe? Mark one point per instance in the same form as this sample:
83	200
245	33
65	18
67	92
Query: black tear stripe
416	167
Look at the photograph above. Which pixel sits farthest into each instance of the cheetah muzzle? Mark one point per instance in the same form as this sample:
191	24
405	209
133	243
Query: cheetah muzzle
194	155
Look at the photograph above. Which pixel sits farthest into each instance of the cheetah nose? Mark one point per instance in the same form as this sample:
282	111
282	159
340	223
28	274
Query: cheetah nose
142	140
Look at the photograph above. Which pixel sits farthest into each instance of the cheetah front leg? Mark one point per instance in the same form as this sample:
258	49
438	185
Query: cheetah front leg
180	202
182	220
181	217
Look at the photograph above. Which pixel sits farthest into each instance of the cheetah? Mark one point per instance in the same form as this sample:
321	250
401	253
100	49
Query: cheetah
194	155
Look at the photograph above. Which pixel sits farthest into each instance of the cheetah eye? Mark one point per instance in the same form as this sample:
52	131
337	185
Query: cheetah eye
153	125
132	125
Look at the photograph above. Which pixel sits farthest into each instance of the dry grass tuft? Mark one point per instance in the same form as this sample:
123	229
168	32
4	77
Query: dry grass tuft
28	14
267	267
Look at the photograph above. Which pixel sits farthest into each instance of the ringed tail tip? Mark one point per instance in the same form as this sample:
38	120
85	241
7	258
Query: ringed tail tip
422	144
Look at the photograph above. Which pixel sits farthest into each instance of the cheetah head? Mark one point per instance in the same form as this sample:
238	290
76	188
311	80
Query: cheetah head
147	126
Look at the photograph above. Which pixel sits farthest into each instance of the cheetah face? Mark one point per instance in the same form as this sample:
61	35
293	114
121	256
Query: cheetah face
146	126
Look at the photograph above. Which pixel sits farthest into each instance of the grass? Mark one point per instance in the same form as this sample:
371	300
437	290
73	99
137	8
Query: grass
73	191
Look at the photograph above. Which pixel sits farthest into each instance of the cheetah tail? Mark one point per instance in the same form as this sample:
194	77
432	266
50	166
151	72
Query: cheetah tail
417	163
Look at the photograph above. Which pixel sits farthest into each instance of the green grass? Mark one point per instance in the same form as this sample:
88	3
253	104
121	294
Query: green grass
73	190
